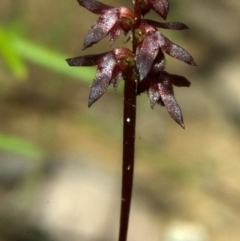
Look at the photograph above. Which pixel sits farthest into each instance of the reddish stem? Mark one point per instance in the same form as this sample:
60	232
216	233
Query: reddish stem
129	121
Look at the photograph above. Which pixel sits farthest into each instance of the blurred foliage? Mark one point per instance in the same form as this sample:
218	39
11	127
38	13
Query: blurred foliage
49	59
14	50
19	146
11	57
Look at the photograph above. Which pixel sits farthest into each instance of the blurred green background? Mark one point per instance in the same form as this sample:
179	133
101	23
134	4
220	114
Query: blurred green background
60	162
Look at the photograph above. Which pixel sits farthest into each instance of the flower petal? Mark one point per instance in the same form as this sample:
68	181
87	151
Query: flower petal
175	51
114	33
94	6
159	63
161	7
101	28
153	95
172	25
102	78
179	81
116	77
141	7
146	53
167	96
87	60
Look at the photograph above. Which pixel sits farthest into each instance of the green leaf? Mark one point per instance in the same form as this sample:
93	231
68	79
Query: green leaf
10	56
50	59
19	146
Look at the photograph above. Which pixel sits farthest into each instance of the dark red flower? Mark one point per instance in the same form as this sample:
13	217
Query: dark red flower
111	67
111	22
159	87
151	42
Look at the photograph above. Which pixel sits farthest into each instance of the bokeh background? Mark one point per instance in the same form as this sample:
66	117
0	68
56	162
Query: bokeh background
60	162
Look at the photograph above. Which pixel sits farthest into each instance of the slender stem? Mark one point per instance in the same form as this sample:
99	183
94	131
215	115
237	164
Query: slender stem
129	121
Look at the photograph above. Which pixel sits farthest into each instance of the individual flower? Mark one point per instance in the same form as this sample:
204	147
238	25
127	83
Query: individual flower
152	42
159	87
112	66
112	21
161	7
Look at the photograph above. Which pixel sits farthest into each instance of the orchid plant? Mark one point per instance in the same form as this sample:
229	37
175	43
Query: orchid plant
142	68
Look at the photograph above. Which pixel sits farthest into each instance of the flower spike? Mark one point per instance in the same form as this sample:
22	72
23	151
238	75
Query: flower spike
146	63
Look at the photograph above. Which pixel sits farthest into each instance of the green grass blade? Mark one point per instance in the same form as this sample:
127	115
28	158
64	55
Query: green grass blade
50	59
12	58
19	146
